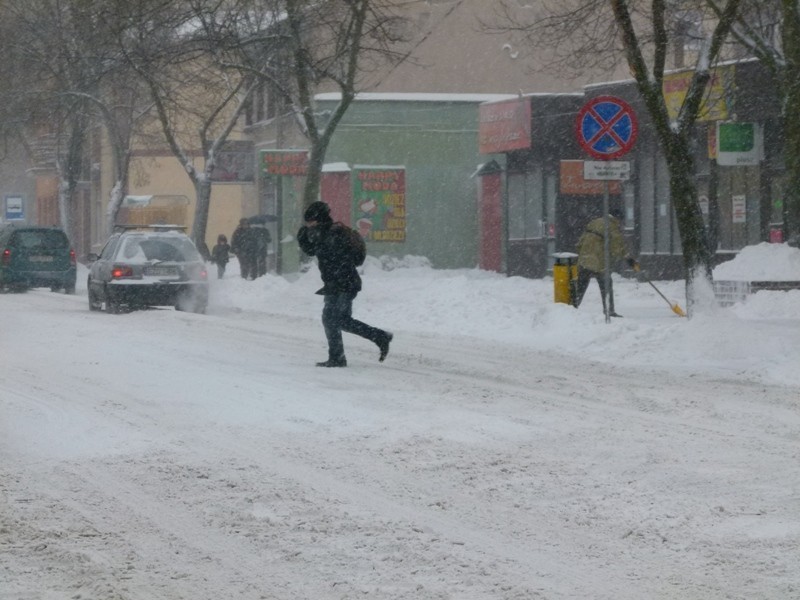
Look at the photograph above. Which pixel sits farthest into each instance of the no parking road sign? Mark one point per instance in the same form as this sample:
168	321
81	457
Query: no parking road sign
606	127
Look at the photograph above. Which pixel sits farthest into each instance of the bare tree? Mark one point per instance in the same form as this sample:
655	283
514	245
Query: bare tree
197	100
770	30
642	32
299	47
67	77
55	63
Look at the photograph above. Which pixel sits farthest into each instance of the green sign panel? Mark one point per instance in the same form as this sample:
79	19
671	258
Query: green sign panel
739	144
736	137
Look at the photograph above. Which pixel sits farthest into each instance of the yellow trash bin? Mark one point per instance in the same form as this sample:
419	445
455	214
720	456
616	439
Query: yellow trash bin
565	275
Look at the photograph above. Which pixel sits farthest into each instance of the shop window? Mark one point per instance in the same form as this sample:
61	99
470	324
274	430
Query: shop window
647	204
739	207
526	202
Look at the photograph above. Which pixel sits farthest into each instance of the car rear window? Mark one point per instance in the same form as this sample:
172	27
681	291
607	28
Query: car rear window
140	249
46	239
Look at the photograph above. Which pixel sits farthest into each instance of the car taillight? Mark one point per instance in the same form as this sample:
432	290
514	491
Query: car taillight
72	258
121	272
6	257
203	274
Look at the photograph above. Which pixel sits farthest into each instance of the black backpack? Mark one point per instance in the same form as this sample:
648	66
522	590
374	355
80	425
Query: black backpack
355	243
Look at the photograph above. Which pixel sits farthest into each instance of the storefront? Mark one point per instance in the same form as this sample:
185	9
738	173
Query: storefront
544	201
738	165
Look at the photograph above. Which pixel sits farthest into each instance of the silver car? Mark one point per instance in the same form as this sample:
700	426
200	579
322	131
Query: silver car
143	268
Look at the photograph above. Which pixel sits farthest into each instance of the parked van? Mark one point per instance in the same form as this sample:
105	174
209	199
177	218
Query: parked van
33	256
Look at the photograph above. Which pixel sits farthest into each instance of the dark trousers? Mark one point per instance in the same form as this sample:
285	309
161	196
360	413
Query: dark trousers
584	277
247	265
337	316
220	270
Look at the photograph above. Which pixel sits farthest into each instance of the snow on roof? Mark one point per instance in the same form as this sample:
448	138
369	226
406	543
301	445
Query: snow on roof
418	97
335	167
379	166
725	63
540	95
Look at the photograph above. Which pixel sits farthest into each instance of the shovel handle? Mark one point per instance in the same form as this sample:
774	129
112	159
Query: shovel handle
673	305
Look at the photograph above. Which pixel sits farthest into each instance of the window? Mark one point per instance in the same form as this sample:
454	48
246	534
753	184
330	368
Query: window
526	205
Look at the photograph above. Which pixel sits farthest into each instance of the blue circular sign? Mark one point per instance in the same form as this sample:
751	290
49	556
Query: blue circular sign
606	127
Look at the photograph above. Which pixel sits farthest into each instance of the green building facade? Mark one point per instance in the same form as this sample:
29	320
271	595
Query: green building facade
434	137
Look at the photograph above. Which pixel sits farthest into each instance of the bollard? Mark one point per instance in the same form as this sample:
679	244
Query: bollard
565	275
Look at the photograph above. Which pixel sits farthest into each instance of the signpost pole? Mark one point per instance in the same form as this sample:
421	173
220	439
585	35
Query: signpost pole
606	129
606	254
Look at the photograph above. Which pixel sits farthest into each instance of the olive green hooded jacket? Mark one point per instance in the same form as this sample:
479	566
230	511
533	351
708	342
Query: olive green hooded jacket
590	245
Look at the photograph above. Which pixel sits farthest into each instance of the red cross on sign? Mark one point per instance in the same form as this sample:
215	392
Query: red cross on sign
606	127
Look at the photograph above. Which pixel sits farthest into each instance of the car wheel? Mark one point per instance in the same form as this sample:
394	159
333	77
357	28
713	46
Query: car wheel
112	304
69	289
94	302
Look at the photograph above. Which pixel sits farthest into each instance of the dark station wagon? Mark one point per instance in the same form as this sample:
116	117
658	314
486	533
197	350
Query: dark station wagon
32	256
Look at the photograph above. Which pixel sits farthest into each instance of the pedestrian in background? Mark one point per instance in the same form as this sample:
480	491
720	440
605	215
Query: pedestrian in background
337	258
591	257
244	246
263	239
220	255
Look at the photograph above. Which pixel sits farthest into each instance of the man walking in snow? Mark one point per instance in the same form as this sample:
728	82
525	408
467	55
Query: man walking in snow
591	257
244	246
330	243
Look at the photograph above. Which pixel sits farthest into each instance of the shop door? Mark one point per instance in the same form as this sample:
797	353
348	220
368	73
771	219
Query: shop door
531	222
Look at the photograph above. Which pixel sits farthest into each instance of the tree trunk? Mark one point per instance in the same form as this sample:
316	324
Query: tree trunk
683	192
791	120
202	186
112	208
118	193
792	150
65	193
316	160
790	38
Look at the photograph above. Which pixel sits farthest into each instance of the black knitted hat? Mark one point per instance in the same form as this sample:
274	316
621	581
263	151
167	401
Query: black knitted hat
317	211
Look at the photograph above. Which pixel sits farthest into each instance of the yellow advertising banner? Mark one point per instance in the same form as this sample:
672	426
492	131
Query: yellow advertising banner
714	106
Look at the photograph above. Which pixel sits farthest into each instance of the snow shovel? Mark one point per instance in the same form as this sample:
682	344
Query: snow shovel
673	305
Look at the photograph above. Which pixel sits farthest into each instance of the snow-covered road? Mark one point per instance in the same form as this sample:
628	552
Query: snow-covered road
160	455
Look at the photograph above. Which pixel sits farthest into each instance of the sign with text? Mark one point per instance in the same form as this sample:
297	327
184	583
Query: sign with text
292	163
15	208
504	126
379	203
573	183
739	209
234	163
607	170
714	105
739	144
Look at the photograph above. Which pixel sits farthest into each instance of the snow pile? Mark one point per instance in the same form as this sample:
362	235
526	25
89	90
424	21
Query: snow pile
763	262
757	339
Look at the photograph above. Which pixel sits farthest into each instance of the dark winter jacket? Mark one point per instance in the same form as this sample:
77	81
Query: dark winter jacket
262	237
244	242
220	255
329	243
